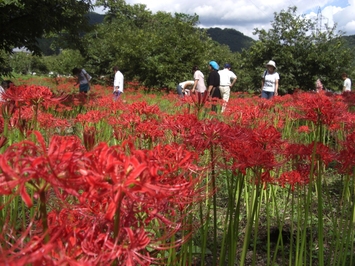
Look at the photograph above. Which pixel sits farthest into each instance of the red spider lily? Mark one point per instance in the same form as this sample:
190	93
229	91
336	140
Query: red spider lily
149	129
267	136
320	108
300	153
181	125
32	95
143	108
303	129
264	179
346	156
199	99
89	134
2	141
206	134
47	121
7	109
124	125
293	178
26	249
151	188
93	116
26	163
247	149
106	104
244	112
2	125
126	120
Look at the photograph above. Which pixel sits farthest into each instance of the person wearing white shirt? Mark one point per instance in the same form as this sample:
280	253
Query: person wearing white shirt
270	81
2	90
5	84
199	81
182	87
118	83
227	81
347	82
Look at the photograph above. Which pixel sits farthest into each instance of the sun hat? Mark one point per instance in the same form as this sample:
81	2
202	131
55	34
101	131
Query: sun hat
271	63
214	65
227	66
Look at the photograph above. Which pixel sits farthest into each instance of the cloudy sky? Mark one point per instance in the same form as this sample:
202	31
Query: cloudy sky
245	15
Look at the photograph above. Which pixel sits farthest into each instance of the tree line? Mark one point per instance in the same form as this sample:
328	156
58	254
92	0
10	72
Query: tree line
159	49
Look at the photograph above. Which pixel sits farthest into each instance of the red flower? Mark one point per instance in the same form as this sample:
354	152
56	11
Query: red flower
346	156
293	178
303	129
39	166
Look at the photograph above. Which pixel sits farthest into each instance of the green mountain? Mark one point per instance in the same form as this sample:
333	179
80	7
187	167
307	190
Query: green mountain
236	40
96	18
233	38
350	40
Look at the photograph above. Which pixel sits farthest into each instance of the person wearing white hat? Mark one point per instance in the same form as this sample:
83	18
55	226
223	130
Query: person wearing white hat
270	81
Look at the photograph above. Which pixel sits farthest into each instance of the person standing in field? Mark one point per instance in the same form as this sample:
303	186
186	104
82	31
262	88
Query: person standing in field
227	80
3	88
270	81
213	83
347	82
83	79
319	85
199	81
118	83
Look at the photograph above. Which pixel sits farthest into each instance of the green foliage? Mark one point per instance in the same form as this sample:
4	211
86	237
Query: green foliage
64	62
24	21
21	63
234	39
5	69
158	49
302	54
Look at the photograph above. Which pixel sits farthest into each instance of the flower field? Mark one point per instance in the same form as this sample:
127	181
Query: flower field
152	179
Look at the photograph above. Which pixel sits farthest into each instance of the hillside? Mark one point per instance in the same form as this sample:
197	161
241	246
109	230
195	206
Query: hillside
350	40
231	37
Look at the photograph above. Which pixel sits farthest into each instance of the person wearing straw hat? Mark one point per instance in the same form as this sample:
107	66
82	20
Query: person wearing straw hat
270	81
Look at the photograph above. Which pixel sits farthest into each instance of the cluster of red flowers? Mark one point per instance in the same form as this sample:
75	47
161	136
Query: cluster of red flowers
116	201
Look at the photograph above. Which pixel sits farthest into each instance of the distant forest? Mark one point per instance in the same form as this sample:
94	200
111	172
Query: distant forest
235	40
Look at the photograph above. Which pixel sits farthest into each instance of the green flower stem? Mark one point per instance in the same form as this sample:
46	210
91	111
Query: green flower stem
43	211
214	188
254	200
116	228
235	186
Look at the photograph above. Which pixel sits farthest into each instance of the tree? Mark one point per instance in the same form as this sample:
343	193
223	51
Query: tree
301	52
64	62
157	49
22	22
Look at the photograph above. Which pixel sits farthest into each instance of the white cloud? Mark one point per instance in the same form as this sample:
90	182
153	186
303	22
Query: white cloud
245	15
